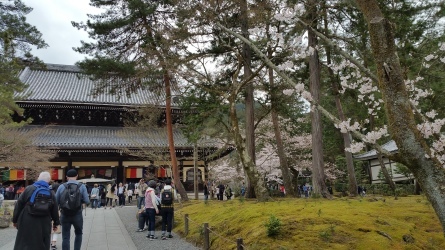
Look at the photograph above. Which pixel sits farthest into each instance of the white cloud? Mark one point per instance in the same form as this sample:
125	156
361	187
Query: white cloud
53	19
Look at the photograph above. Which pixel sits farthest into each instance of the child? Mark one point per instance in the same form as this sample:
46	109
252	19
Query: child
130	195
54	239
1	199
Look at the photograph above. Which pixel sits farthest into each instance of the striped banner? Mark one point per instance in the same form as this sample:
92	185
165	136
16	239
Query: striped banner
134	173
57	174
14	175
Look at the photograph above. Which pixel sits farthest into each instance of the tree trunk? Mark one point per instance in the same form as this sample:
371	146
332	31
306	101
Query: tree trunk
171	144
352	183
412	148
285	172
255	178
295	181
385	172
284	166
318	176
249	100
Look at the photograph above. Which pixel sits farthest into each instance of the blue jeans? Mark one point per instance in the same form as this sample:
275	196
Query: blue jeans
94	203
151	220
141	202
66	221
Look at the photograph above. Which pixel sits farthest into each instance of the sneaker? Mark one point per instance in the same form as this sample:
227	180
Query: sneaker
140	230
163	237
152	237
53	247
170	236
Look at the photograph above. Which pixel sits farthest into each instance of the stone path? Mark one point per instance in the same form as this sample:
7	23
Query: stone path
109	229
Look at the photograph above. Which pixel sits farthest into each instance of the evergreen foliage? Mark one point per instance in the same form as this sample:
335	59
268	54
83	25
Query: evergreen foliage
16	38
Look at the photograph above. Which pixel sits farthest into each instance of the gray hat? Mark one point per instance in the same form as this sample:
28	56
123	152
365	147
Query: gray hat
71	173
152	184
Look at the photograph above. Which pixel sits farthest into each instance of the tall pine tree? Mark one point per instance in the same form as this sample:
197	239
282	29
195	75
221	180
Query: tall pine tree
134	43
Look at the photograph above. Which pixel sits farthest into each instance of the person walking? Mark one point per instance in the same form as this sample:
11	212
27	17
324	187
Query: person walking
228	192
167	194
110	196
130	195
121	194
151	208
33	213
10	192
142	187
217	192
306	190
54	186
94	196
2	198
243	190
206	192
70	196
221	191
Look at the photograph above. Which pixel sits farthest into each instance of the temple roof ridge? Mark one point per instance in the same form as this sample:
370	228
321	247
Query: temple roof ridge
60	84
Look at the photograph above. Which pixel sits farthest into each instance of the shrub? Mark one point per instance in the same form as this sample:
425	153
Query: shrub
273	226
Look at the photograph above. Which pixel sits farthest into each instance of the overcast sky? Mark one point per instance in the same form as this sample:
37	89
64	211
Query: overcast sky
53	19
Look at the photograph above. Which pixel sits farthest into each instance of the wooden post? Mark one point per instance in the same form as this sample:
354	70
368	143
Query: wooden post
195	171
186	223
206	236
239	244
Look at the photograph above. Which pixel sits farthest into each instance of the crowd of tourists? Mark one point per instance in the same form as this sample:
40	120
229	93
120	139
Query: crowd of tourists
11	191
219	190
54	208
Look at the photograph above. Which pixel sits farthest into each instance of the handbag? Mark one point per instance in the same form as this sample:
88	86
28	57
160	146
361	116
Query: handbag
93	196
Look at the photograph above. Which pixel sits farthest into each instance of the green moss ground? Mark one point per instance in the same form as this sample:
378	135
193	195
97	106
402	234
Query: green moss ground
341	223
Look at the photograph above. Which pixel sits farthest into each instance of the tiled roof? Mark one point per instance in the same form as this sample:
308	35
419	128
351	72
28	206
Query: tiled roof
66	84
87	137
372	154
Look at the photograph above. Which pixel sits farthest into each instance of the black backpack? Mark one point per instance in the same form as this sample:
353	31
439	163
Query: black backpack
167	197
40	202
70	199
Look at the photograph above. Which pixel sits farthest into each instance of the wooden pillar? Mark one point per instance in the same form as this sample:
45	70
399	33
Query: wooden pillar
239	244
195	171
120	173
206	236
186	224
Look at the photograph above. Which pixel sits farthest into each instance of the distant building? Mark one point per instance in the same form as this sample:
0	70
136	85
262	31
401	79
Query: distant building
88	131
374	168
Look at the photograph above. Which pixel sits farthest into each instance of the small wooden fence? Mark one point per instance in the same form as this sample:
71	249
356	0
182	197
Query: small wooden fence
207	231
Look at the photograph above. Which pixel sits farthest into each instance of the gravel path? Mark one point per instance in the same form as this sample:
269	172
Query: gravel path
128	217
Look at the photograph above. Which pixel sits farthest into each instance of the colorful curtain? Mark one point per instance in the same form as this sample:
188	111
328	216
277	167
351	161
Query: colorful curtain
162	172
14	175
134	173
57	174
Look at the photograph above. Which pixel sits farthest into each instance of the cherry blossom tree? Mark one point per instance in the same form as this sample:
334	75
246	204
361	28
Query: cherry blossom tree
421	145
